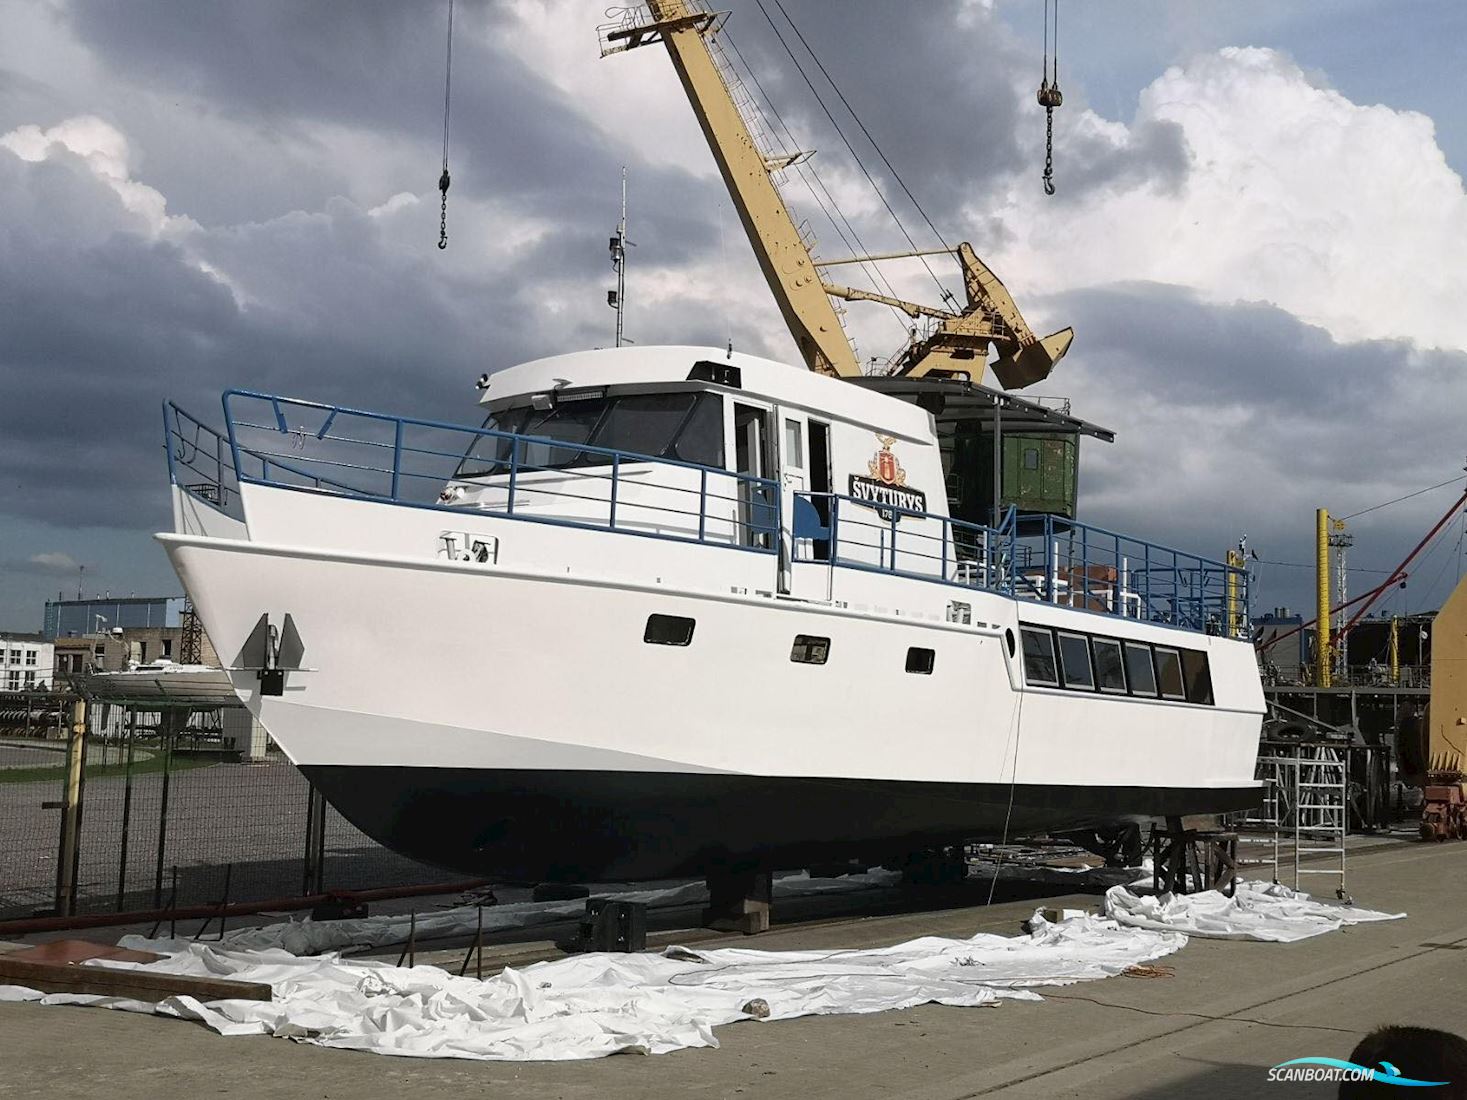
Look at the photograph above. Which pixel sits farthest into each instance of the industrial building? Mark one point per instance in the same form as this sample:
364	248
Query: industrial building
27	662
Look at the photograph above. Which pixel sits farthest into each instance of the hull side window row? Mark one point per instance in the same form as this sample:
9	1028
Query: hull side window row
1085	662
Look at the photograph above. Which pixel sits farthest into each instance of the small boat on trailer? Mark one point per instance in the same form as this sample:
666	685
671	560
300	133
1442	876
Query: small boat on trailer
679	610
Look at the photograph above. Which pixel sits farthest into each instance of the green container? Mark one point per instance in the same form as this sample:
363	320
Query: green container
1040	473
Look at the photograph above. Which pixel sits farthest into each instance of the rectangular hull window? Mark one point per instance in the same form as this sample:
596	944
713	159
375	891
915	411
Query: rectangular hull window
1110	674
1139	670
1039	667
1199	679
1075	661
920	660
1169	673
668	630
810	650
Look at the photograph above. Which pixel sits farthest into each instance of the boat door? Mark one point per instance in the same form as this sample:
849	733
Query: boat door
753	455
794	478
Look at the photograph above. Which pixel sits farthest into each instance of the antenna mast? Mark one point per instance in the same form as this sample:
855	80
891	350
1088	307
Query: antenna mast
617	299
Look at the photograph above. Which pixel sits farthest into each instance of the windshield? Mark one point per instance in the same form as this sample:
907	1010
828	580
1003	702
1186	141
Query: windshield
686	426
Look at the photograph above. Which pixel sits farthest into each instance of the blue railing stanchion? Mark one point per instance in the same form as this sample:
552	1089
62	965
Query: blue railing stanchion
514	472
615	478
396	458
702	504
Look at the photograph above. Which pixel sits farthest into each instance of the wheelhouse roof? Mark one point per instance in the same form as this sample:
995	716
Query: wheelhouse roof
950	400
760	379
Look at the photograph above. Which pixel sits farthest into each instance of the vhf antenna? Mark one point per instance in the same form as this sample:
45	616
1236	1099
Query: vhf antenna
617	298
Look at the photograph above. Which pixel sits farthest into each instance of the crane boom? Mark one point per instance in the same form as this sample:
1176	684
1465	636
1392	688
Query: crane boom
961	339
782	255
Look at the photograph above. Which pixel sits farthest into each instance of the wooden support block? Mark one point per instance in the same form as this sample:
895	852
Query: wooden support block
136	985
739	902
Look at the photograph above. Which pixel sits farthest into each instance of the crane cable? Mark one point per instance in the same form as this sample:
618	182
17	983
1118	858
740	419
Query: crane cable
840	132
443	180
1049	94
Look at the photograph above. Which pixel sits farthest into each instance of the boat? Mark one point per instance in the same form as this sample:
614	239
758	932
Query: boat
669	609
684	610
163	679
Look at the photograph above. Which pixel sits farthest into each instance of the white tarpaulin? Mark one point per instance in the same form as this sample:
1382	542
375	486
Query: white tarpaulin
308	937
591	1005
1257	911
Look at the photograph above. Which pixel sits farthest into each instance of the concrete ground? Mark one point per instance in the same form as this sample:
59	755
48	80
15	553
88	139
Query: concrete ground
1230	1011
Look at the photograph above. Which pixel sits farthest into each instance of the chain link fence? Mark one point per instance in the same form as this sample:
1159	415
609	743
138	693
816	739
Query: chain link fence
168	811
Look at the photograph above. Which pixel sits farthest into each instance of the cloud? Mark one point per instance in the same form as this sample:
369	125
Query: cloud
1345	215
51	564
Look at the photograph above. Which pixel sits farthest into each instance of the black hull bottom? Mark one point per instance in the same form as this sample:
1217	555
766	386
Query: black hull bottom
584	826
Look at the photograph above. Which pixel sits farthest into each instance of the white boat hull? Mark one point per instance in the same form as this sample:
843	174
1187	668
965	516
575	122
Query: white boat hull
515	723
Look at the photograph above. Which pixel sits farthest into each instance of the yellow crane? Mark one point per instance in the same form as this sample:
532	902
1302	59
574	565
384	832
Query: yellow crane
959	342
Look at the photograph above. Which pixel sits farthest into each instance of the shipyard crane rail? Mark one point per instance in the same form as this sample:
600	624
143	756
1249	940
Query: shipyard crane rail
958	344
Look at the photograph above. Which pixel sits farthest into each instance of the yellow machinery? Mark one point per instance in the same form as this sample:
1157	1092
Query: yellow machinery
959	343
1444	813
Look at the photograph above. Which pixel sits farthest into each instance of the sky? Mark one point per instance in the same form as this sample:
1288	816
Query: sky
1257	235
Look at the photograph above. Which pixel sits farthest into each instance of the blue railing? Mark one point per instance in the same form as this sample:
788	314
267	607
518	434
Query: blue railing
1037	557
431	464
200	460
857	534
1078	565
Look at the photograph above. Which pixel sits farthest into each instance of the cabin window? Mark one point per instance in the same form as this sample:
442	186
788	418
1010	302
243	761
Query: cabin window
668	630
1075	661
794	447
1169	673
1197	676
700	439
1110	672
810	650
1031	458
1039	665
1139	671
686	426
920	660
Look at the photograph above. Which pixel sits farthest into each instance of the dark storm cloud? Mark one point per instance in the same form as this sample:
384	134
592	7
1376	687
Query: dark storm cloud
944	93
1241	418
376	68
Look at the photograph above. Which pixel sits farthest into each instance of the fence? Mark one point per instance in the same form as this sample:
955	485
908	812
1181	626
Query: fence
166	811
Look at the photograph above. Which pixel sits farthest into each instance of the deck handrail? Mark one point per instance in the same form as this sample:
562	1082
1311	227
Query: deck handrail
724	507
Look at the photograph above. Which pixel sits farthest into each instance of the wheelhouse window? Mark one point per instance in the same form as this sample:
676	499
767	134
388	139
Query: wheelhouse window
1140	672
1075	661
1197	676
1169	673
668	630
920	660
810	649
686	426
1039	665
1110	671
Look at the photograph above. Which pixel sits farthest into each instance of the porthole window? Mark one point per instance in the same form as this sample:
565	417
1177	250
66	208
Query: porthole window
1110	674
810	649
668	630
1197	676
920	660
1075	661
1039	666
1169	673
1008	636
1140	673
